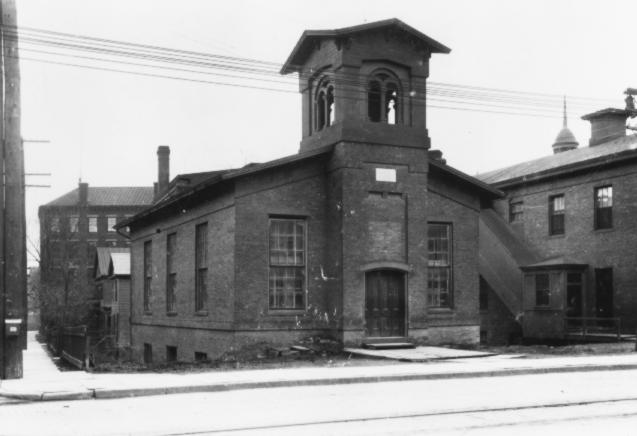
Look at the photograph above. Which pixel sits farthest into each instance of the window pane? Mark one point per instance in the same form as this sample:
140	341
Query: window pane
438	286
604	207
438	244
92	224
287	288
112	221
516	211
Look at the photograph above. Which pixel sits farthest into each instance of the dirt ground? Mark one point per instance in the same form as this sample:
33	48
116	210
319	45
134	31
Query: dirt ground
285	358
538	351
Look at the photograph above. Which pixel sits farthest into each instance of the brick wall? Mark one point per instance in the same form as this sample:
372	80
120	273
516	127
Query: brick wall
597	248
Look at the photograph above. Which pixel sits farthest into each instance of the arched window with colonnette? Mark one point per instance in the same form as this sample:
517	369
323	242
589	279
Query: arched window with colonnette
384	102
324	104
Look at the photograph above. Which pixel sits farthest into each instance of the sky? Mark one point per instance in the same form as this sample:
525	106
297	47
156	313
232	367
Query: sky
104	127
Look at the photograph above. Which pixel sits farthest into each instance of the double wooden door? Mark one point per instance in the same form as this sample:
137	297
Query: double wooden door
385	303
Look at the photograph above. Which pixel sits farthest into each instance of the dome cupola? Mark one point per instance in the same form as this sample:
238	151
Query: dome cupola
565	140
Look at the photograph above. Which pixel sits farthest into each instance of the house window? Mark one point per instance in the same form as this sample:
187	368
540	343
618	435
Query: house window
383	105
515	211
74	224
556	215
148	273
287	263
54	224
324	108
92	224
201	267
542	290
439	292
604	207
171	273
112	221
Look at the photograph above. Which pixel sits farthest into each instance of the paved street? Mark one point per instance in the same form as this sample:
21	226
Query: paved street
573	403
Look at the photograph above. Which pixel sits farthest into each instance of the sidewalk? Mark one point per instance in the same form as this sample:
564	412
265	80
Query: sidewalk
43	381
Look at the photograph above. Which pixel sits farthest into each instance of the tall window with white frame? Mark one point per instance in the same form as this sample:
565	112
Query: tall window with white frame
171	274
287	263
604	207
556	215
92	224
201	267
148	274
439	271
111	223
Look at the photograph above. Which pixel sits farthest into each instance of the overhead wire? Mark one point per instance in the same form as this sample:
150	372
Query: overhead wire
251	70
432	89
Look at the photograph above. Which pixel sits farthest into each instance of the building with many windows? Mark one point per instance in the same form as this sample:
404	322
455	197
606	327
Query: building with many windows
563	238
72	227
365	234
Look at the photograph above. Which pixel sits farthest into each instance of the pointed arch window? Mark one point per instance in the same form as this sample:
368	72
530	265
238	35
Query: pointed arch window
324	107
383	99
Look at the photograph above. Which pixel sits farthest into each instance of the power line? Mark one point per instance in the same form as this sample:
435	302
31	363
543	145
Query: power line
518	102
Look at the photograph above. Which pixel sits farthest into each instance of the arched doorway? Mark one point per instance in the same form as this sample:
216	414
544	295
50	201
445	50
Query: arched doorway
384	303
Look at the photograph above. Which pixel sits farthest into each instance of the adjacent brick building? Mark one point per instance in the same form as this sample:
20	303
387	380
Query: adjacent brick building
563	238
365	234
71	228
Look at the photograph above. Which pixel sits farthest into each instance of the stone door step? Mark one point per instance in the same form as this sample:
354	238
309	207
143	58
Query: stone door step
387	345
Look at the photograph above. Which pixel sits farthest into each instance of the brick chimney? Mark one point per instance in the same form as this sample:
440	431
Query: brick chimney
83	196
163	169
606	125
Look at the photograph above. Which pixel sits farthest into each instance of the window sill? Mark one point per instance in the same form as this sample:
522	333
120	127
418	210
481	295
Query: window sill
285	312
440	310
605	230
171	313
557	236
201	313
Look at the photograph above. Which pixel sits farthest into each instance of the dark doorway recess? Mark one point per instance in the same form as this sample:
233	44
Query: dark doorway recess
604	292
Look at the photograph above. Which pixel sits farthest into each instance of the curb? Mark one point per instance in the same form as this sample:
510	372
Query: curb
221	387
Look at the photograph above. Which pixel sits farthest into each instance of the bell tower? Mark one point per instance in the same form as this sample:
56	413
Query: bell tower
364	83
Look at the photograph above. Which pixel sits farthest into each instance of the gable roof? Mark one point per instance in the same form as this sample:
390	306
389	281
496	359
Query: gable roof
572	160
309	38
217	177
483	188
209	179
108	196
185	182
103	259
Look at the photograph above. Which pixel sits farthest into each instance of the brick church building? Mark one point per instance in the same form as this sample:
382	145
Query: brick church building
364	234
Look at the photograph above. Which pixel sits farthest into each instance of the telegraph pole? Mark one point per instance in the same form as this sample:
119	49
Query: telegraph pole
13	221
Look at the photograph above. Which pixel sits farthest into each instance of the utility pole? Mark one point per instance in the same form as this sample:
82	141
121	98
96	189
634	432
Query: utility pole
13	221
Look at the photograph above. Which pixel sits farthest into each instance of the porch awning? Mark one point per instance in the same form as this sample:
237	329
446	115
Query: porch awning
561	262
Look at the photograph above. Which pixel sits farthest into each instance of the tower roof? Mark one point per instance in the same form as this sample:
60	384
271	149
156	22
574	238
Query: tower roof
565	140
310	37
